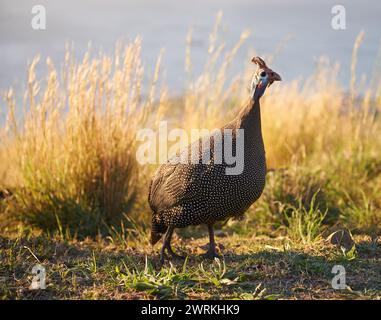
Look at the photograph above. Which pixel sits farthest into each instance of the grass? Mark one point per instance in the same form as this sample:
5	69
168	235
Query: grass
304	225
252	268
73	194
75	150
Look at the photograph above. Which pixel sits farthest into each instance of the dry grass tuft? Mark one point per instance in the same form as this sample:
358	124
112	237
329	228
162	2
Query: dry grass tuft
74	148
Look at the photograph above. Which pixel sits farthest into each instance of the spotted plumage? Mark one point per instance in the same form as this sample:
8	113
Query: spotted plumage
194	192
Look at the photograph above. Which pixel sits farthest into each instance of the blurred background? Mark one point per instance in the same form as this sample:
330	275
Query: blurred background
304	25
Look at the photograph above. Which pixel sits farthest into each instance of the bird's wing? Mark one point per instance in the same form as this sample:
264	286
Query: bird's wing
172	185
175	183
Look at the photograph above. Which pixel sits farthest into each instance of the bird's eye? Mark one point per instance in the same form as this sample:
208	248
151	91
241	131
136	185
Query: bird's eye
263	74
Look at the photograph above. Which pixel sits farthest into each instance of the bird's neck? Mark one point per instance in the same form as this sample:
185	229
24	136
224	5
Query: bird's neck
250	114
249	119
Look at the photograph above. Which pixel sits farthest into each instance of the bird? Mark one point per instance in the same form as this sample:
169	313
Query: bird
184	193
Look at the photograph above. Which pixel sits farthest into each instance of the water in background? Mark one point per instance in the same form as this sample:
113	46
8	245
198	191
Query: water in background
165	23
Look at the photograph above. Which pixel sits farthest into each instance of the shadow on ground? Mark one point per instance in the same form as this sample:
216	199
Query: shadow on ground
97	269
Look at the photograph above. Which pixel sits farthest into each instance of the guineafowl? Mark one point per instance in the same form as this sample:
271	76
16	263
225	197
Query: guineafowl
198	192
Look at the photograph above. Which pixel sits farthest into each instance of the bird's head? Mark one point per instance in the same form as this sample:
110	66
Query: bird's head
263	78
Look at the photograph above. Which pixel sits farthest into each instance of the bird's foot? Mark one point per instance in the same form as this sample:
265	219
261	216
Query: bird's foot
211	255
170	255
175	256
161	260
178	257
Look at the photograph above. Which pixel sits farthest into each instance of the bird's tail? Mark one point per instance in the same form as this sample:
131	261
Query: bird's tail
157	231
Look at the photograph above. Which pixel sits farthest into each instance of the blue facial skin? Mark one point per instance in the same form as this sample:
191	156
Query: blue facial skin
260	87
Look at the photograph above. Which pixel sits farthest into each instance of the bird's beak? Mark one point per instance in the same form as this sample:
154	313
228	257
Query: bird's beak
273	76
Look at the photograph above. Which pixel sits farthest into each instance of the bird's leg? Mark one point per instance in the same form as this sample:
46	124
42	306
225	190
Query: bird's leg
211	253
167	245
169	248
166	241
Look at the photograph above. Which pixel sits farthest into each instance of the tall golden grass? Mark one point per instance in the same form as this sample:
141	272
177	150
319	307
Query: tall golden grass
71	155
74	149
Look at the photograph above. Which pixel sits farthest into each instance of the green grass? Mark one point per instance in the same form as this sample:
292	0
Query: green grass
251	268
304	225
